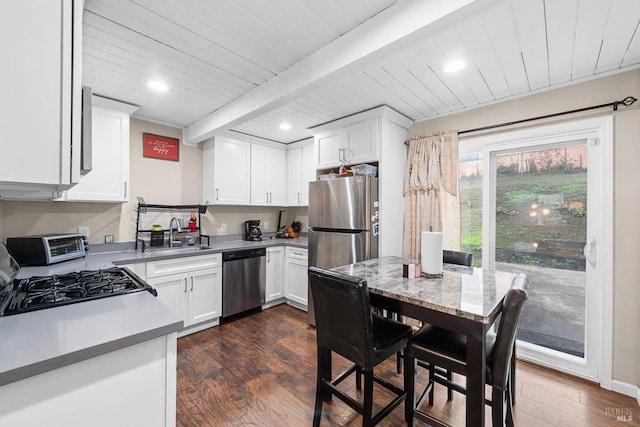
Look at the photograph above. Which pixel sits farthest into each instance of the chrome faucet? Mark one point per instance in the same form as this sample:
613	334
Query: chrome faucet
178	229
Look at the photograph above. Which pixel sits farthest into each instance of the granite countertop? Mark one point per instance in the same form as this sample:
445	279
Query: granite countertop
36	342
471	293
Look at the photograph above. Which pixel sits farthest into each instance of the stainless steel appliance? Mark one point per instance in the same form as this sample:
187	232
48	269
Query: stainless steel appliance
47	248
252	230
343	223
41	292
243	280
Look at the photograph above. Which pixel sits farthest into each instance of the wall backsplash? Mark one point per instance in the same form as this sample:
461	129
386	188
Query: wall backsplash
235	216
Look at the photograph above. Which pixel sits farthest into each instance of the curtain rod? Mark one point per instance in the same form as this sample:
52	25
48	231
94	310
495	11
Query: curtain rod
629	100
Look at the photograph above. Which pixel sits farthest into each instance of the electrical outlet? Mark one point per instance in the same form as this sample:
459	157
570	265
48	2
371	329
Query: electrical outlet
223	227
84	231
266	225
108	238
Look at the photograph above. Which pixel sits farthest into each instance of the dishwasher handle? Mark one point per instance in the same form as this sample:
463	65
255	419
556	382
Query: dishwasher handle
243	254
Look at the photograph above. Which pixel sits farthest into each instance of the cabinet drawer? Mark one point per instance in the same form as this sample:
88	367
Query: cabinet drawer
294	253
182	265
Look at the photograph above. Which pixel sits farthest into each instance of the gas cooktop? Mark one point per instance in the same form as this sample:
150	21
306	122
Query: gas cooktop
40	292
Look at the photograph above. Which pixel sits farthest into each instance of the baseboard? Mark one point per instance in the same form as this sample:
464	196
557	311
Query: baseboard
626	389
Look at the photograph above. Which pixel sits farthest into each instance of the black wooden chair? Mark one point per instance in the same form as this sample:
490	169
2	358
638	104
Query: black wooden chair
346	325
446	349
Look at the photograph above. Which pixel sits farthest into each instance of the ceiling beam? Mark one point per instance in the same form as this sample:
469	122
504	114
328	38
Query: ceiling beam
392	29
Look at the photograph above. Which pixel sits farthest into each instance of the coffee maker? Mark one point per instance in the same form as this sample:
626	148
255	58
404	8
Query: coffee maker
252	230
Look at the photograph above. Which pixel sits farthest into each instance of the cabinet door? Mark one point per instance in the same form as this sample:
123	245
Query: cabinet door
109	178
361	142
227	171
308	173
328	150
267	175
296	276
172	291
275	274
276	176
30	83
294	177
205	295
259	191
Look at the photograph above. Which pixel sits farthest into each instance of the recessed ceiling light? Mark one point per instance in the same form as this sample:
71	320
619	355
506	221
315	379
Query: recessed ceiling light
454	66
285	126
158	85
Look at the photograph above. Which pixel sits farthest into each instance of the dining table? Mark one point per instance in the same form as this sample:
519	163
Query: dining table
463	299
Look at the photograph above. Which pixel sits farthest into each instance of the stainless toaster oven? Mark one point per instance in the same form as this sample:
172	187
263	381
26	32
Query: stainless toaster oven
46	249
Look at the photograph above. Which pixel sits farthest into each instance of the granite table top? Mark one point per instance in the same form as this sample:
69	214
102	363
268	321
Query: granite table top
471	293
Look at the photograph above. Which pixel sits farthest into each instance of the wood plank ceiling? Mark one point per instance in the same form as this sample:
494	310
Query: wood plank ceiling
213	55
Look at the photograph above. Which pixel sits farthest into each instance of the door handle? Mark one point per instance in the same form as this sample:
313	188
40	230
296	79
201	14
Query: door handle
340	155
216	194
299	201
192	284
185	285
589	251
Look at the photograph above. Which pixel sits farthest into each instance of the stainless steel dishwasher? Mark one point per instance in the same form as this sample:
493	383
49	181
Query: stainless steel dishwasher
243	280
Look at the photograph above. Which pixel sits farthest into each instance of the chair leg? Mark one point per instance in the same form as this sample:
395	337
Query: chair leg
358	378
399	357
321	390
410	388
367	412
449	389
432	373
324	373
498	403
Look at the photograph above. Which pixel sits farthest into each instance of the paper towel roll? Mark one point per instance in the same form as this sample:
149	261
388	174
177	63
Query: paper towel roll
431	252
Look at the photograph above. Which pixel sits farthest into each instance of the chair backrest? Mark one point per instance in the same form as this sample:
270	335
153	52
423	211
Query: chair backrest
344	321
457	257
500	357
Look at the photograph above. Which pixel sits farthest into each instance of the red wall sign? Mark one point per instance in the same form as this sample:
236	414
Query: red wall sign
161	147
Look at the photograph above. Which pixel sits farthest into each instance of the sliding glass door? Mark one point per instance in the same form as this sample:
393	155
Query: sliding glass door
534	201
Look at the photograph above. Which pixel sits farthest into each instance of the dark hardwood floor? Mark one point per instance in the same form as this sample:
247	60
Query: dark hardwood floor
260	371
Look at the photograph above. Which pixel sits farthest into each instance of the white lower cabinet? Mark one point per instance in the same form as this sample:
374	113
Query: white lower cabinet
133	386
296	276
275	274
191	287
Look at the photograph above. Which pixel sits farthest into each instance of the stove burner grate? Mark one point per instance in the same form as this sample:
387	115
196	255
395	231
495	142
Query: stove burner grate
40	292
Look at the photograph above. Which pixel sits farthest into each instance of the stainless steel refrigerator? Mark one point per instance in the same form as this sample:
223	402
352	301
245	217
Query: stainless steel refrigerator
343	223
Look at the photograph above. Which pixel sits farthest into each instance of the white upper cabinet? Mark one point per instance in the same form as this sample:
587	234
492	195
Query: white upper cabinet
268	168
300	170
108	180
350	145
227	171
40	112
